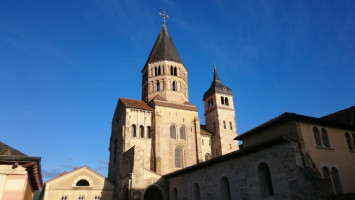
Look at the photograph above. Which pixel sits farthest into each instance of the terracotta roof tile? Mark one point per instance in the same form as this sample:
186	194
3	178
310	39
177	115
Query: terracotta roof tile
158	97
204	131
177	106
132	103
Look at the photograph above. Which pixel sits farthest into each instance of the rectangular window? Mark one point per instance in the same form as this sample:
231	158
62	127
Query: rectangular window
224	124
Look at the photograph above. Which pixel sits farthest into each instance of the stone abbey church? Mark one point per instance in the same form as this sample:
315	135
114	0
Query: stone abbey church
160	150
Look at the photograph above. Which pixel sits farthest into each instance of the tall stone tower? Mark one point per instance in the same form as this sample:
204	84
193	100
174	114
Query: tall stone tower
220	117
164	73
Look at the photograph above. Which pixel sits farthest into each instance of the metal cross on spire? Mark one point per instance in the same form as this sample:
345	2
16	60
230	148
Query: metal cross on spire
164	15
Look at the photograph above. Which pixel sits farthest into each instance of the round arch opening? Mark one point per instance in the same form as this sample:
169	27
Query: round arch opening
153	193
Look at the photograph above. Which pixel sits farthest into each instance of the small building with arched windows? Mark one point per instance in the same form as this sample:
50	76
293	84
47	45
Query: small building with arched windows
80	184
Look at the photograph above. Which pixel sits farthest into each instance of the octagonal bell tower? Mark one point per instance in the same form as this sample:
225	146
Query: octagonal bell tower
164	73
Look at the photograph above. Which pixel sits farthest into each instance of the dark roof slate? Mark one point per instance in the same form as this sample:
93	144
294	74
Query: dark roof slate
217	86
296	117
164	48
6	150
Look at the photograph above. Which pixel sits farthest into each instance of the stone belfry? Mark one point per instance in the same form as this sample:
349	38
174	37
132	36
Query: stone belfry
164	73
220	117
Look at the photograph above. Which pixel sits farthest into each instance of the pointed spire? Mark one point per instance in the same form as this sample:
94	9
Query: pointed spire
164	48
217	86
215	75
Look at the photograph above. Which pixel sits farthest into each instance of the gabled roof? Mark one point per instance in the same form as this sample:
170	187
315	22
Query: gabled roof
295	117
75	170
6	150
164	48
345	116
132	103
235	154
32	164
204	131
184	106
217	86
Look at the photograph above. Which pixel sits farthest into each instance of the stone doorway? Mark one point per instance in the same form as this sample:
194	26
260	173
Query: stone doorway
153	193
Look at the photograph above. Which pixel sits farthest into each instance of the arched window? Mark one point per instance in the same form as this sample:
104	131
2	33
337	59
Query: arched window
325	137
175	194
178	157
225	190
158	86
207	156
316	135
134	130
82	182
336	181
172	70
326	173
148	132
348	141
155	71
172	132
226	101
196	192
266	188
182	133
141	131
230	125
159	70
222	100
211	102
224	124
175	71
174	86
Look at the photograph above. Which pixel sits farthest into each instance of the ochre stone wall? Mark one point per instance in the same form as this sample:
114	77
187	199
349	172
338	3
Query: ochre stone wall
290	179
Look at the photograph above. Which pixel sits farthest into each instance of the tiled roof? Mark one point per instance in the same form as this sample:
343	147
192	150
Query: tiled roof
235	154
6	150
296	117
164	48
217	86
132	103
76	169
158	97
32	164
176	106
345	116
204	131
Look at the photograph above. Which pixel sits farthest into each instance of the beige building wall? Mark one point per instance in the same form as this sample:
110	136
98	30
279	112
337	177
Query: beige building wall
66	185
139	117
220	120
206	141
165	145
338	155
149	82
14	184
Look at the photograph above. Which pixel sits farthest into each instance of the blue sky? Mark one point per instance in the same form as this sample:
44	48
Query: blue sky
64	64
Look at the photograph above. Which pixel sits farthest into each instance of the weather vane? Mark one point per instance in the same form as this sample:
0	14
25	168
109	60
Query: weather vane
164	15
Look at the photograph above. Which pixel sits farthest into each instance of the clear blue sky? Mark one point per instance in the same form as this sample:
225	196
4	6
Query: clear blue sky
64	64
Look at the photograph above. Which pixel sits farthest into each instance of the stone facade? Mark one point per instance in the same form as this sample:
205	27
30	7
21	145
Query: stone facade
290	178
159	150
